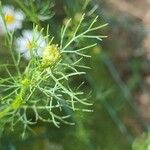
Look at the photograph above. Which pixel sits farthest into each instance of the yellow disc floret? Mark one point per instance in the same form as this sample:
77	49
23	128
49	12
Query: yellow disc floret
51	54
30	45
9	19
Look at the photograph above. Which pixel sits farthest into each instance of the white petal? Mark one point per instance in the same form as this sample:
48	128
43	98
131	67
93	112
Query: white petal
21	44
28	34
26	55
19	15
8	9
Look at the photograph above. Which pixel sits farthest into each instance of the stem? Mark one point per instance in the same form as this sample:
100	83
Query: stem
12	54
17	102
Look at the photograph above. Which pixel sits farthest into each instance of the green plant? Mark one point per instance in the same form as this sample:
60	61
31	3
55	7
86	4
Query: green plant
43	91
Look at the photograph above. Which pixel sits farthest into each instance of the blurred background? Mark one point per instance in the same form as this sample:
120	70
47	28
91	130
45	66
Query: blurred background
119	79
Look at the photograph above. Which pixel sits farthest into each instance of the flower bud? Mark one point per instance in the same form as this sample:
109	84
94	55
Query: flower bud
51	54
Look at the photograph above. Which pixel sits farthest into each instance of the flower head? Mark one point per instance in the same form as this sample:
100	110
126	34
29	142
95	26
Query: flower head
31	43
12	19
51	54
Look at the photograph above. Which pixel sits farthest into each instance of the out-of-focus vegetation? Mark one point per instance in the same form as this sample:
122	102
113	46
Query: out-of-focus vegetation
142	142
119	79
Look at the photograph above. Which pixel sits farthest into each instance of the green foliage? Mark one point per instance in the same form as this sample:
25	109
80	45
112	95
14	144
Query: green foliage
142	142
43	89
44	94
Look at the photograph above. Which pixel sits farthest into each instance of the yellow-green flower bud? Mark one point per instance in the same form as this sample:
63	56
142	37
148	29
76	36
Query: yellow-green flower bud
51	54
